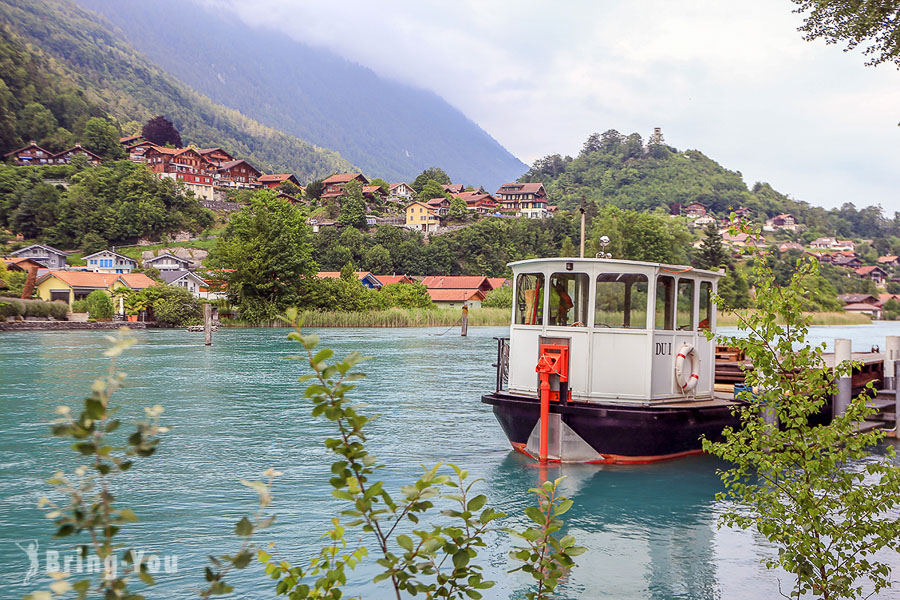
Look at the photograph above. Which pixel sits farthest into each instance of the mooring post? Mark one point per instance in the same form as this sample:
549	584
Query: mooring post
207	323
465	321
842	353
891	356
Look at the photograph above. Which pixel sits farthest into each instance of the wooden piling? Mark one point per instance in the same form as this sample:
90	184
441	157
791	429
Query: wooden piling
207	323
842	353
465	320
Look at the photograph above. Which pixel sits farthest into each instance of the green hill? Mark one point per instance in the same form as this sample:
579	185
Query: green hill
62	65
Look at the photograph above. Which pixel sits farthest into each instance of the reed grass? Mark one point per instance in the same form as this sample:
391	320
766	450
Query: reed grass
817	318
394	317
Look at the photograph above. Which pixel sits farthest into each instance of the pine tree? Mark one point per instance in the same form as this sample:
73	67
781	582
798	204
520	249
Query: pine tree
712	253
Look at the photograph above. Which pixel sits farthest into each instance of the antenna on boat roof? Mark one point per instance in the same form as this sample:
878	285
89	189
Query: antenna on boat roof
582	227
604	242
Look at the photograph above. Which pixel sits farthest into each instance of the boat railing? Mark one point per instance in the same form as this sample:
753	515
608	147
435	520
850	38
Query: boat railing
502	363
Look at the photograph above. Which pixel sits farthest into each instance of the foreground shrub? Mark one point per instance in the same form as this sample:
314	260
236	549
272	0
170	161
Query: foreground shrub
13	307
99	305
499	298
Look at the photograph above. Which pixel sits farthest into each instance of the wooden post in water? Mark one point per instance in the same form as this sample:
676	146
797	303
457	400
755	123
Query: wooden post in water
207	323
842	352
465	320
891	357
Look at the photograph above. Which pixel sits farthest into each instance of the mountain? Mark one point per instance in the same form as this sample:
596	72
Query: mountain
389	129
77	64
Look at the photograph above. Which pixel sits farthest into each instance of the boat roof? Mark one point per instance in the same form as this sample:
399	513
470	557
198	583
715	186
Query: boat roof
676	269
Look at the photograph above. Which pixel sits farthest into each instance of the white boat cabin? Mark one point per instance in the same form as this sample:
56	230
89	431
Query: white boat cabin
623	321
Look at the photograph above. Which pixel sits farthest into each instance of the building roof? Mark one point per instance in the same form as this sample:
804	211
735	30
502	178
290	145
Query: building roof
344	178
389	279
26	147
44	246
868	270
372	189
790	246
174	275
520	188
77	148
129	139
857	298
278	178
453	188
233	163
394	186
359	274
21	262
862	307
437	201
110	252
887	259
456	283
167	255
456	295
204	151
496	282
474	197
87	279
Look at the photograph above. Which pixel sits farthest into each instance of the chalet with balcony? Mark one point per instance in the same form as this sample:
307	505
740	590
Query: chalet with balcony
401	192
188	280
454	188
783	221
169	262
137	152
238	174
441	206
693	210
216	156
32	154
421	217
874	273
65	157
848	262
108	261
129	140
480	202
889	261
48	256
334	185
186	166
526	199
373	193
273	181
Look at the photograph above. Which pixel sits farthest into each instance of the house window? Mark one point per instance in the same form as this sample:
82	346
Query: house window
529	299
568	299
665	301
621	301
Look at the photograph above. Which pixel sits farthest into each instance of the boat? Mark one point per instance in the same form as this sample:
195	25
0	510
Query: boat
608	361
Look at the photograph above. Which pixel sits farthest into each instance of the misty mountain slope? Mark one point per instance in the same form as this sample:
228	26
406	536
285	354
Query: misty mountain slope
387	128
79	47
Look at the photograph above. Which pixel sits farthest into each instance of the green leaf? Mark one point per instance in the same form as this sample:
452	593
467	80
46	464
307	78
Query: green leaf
244	527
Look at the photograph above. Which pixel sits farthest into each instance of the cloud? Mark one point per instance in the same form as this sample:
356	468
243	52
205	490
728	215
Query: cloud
733	79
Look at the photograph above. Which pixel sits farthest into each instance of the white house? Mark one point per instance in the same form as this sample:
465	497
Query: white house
107	261
188	280
401	192
168	262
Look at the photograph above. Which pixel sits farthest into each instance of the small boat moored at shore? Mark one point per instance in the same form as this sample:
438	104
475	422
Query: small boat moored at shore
607	361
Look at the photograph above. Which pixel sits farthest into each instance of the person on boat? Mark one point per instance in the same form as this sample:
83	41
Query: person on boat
565	303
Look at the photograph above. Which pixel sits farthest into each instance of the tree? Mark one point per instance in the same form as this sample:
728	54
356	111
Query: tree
568	249
315	189
160	131
408	295
99	305
353	206
268	247
286	187
498	298
101	137
384	185
92	242
712	254
377	259
459	210
431	173
875	25
812	489
431	189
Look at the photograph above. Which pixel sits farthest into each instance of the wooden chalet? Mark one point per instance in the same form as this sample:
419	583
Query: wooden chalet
65	157
373	192
130	140
527	199
874	273
273	181
32	154
454	188
334	185
480	202
440	206
177	160
693	210
238	173
137	152
216	156
482	284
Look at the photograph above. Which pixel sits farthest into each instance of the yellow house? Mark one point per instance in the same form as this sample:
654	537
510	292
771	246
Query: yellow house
422	217
76	285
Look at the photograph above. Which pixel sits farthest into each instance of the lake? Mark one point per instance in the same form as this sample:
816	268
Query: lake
236	409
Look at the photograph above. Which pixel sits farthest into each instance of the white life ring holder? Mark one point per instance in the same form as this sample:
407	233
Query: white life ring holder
688	383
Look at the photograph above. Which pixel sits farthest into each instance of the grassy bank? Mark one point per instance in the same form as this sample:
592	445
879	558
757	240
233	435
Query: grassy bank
818	318
395	317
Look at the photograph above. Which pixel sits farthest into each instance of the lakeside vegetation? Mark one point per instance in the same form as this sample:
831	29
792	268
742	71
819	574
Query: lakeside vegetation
733	319
393	317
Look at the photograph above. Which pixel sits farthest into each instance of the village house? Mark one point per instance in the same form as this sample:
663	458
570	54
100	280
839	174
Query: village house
740	240
365	277
216	156
441	206
65	157
334	185
859	299
461	282
392	279
848	262
168	262
32	154
373	193
790	246
273	181
196	285
526	199
186	166
456	298
784	221
401	192
318	224
742	212
421	217
109	261
48	256
873	312
889	261
237	174
693	210
129	140
21	264
70	286
875	273
703	221
479	202
454	188
137	152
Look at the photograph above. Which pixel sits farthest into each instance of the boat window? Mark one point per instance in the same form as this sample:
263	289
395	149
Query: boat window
529	299
685	315
621	301
568	299
665	301
706	305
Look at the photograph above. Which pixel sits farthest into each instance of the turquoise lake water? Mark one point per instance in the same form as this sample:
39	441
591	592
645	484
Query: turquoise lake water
236	410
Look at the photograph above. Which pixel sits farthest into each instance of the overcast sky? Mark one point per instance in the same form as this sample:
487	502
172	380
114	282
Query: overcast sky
732	79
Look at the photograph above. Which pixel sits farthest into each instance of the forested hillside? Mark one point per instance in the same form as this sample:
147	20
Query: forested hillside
624	171
389	129
62	65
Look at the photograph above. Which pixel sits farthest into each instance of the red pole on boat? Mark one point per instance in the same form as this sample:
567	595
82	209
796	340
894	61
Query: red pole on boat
545	416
